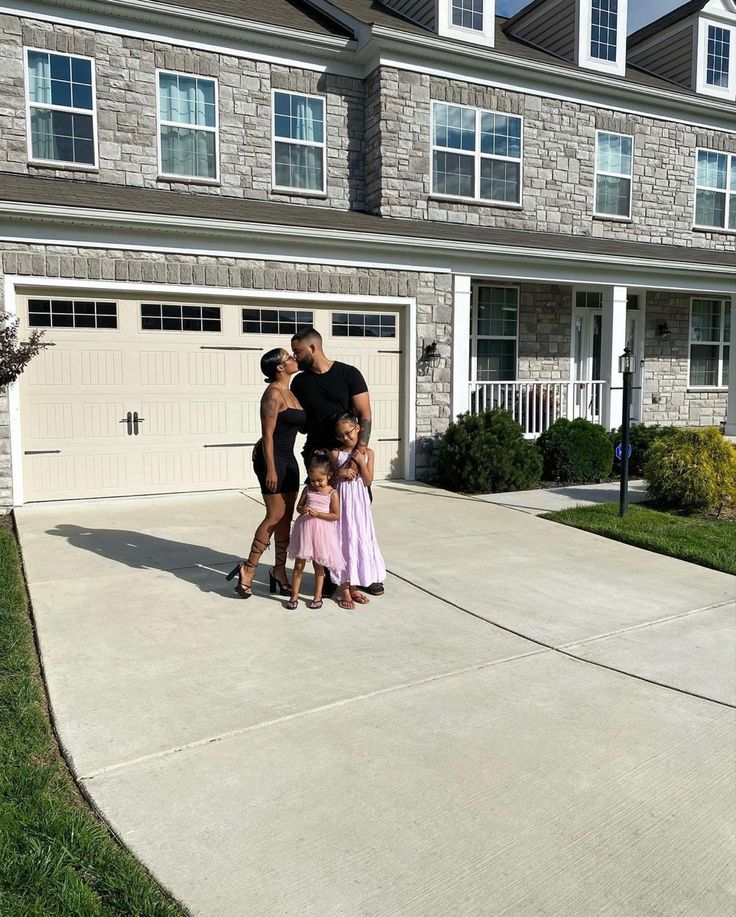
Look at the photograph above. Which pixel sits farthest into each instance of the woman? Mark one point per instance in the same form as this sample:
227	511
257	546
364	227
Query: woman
277	471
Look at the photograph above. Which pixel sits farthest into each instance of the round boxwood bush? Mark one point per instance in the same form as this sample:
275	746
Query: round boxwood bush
641	438
487	453
575	452
693	470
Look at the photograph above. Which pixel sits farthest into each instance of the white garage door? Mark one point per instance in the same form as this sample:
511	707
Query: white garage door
143	396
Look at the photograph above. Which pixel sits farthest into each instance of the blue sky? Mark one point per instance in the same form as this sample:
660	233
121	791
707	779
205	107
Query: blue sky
640	11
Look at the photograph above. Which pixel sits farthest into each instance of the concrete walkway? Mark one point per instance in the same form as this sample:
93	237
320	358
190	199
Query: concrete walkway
487	738
554	498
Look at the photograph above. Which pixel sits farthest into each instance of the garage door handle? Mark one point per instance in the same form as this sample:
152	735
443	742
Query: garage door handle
136	421
128	419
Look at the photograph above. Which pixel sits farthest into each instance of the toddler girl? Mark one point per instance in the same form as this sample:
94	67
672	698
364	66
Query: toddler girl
363	560
315	535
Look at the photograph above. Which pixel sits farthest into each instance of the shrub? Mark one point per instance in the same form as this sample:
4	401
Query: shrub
487	453
641	438
575	452
692	470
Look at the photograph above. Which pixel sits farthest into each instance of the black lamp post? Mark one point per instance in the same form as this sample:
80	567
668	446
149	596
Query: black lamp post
626	366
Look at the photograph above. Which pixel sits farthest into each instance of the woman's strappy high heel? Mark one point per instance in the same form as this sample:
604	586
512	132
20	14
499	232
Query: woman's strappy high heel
274	583
256	549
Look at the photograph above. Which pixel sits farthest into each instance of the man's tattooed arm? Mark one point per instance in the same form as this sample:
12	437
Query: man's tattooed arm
365	432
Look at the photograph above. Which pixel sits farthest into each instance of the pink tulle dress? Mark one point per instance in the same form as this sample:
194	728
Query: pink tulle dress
363	560
316	539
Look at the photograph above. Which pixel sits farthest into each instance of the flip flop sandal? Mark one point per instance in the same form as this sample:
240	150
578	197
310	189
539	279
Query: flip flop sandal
345	604
315	606
359	598
291	604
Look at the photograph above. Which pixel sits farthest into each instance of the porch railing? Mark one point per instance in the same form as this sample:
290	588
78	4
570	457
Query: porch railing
536	404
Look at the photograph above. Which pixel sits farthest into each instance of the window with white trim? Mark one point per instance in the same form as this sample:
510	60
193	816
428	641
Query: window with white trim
494	333
71	313
298	142
710	337
275	321
613	172
187	113
468	14
362	325
718	56
170	317
61	108
715	190
476	154
604	30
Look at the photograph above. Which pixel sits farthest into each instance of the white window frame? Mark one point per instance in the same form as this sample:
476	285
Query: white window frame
725	302
475	337
445	26
701	61
477	156
730	166
630	177
195	179
306	192
49	106
584	16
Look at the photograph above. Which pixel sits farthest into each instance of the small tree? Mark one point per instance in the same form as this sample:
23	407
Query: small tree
15	356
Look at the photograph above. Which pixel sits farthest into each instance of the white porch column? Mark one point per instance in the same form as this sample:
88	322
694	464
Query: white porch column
460	344
613	341
731	409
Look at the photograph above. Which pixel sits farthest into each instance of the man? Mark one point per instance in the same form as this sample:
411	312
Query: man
325	389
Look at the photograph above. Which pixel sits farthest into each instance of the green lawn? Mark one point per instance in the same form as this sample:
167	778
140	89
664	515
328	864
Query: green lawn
708	542
56	857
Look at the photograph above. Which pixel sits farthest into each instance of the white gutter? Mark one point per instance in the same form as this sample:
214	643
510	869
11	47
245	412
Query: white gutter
197	225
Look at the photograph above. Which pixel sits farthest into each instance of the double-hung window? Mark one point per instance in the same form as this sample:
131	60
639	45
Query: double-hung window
187	117
494	333
476	154
715	190
613	171
298	142
61	108
718	56
604	30
468	14
710	336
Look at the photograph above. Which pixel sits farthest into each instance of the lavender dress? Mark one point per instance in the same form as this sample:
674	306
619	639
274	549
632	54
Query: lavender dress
363	561
316	539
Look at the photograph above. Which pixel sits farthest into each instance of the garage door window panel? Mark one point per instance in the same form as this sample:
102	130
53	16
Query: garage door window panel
276	321
71	313
169	317
363	325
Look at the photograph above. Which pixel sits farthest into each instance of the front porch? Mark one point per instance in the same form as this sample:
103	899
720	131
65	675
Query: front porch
542	351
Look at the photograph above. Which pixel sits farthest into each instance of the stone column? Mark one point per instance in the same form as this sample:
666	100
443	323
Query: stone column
731	409
613	341
460	344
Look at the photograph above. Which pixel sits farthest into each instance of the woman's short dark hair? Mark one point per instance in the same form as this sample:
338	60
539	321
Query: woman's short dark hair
270	362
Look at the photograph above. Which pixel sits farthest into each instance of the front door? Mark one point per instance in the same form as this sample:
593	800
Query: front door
587	325
635	342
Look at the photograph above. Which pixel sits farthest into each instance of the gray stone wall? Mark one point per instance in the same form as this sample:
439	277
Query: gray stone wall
126	111
433	293
666	398
545	327
558	165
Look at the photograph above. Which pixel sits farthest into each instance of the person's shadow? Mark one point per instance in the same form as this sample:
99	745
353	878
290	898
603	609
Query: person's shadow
196	564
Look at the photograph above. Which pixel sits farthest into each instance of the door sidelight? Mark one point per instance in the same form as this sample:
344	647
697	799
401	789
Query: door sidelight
136	421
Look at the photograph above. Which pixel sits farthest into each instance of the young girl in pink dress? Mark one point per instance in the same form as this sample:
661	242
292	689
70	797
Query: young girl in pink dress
315	535
363	561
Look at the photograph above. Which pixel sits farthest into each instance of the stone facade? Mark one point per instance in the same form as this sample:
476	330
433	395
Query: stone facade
545	329
667	397
558	164
125	71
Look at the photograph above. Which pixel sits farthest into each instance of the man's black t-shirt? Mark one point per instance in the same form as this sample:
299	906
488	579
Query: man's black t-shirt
324	396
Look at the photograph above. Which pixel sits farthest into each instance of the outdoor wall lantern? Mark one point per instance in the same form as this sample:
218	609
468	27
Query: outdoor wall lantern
663	330
627	362
431	354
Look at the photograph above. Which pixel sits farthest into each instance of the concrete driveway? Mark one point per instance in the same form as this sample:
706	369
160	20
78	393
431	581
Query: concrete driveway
533	720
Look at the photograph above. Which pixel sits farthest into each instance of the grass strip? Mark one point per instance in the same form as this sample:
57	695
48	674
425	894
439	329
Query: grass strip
708	542
56	856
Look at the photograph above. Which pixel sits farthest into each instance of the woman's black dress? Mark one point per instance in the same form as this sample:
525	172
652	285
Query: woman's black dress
288	423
